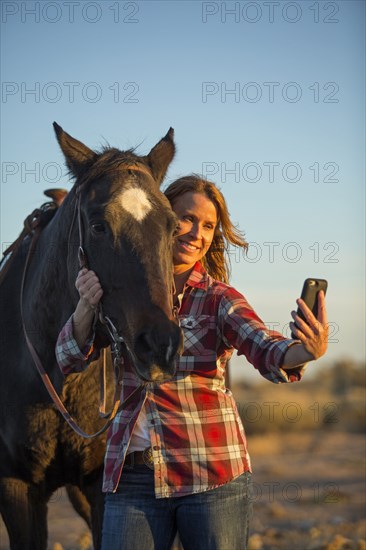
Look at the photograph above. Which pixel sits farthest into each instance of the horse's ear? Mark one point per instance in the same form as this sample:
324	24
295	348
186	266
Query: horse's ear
77	155
161	156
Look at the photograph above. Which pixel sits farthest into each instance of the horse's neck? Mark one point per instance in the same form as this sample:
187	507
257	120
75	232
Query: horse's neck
47	276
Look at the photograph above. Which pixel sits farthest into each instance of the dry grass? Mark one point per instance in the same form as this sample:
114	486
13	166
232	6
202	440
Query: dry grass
334	399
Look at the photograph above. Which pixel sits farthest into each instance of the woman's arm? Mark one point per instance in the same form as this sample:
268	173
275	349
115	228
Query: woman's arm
277	358
313	335
264	348
74	347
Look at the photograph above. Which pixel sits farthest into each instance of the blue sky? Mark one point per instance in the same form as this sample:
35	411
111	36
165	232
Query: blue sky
266	98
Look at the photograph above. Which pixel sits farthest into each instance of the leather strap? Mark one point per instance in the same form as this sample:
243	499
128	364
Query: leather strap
43	374
117	406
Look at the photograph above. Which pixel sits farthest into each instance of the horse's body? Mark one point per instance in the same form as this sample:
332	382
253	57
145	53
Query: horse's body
126	226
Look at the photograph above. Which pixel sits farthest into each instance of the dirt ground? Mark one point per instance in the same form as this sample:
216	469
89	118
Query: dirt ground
309	494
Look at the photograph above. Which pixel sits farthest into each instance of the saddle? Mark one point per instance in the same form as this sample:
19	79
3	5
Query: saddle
38	219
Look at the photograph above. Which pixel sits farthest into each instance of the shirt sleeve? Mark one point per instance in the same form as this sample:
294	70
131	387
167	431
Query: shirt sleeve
70	357
265	349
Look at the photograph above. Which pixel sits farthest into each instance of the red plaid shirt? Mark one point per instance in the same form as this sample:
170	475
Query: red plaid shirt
197	436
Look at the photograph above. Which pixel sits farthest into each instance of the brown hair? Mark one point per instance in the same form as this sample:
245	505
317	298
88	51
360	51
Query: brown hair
216	261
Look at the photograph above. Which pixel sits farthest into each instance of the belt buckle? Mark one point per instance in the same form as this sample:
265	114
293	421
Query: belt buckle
147	457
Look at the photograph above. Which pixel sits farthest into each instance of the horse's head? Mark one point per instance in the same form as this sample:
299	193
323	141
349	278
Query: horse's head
127	227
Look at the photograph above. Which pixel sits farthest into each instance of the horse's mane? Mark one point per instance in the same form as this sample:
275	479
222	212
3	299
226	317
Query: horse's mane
39	218
109	159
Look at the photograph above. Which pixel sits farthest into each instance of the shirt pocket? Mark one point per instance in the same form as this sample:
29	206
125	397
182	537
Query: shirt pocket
199	334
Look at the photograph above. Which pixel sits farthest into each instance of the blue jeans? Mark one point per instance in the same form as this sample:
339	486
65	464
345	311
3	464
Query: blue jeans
217	519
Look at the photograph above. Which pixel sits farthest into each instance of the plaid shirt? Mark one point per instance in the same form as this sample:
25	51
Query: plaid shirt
197	437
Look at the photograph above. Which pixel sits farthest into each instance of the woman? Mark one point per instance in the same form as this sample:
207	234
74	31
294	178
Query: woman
179	460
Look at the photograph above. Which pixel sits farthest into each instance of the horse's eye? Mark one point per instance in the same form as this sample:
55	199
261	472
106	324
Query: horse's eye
172	224
98	228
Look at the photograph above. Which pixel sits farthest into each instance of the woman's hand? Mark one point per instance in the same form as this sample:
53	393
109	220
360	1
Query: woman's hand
90	291
314	332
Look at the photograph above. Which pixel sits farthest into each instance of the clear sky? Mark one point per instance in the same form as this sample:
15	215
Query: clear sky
266	99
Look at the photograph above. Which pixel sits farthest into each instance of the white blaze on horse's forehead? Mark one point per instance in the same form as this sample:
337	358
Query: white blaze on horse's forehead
136	202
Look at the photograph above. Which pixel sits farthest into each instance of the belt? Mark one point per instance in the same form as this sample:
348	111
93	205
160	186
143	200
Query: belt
140	457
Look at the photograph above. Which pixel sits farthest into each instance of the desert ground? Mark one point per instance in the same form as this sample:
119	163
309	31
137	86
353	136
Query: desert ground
307	447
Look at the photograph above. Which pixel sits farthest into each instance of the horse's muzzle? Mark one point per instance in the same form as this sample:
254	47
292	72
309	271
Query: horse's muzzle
155	352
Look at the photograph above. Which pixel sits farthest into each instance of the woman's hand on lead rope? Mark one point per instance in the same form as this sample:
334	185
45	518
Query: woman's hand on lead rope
90	292
313	334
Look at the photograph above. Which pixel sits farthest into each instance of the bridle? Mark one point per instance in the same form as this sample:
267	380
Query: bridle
117	342
115	338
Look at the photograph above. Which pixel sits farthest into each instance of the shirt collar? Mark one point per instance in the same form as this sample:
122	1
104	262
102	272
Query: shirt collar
198	277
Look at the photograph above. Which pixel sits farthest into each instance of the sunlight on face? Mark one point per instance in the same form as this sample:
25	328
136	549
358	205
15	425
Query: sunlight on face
197	216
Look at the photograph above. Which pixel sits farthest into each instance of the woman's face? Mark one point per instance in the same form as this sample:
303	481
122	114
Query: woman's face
197	217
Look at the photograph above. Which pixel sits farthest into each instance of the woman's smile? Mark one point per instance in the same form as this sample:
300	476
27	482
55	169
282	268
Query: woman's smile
190	247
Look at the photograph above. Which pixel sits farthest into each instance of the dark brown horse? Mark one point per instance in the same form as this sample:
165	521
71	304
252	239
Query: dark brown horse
126	227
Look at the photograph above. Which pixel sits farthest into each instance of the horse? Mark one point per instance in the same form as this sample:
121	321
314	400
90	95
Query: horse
116	220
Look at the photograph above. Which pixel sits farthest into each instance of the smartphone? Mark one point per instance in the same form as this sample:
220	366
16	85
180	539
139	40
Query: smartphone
309	294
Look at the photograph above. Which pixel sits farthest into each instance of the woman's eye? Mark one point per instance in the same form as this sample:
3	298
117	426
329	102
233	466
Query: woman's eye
98	227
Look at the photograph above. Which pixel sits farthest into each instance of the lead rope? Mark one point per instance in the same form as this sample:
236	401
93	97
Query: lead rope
44	376
118	363
46	380
83	263
116	340
116	345
117	406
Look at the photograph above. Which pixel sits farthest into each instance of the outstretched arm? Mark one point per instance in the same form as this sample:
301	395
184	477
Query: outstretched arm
313	335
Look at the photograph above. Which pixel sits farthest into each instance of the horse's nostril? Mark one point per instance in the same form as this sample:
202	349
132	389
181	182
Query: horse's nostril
175	348
143	343
157	347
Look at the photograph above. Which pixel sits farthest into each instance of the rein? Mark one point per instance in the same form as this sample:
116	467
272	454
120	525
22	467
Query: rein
117	341
117	360
34	228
